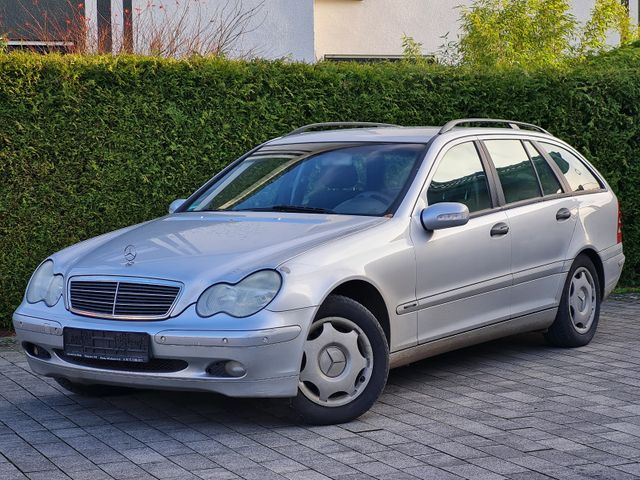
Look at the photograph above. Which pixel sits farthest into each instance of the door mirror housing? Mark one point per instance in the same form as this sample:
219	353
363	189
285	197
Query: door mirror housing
176	204
444	215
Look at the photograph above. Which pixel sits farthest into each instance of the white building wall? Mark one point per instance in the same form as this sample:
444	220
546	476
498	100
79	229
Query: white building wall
279	29
307	30
366	27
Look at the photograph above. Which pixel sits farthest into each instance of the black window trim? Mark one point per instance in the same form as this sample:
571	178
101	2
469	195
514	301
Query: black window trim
497	188
492	177
535	170
497	196
566	188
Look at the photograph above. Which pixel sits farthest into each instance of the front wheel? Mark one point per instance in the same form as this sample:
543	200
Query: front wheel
344	366
579	310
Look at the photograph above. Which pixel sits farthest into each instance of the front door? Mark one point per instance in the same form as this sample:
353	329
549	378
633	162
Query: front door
463	273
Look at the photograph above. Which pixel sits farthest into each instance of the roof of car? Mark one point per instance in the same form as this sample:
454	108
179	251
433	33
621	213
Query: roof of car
390	134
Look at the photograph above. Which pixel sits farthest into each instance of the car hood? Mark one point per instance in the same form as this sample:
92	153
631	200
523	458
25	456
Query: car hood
199	249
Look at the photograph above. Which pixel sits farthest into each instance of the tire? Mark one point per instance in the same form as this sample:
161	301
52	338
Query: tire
92	390
579	310
351	364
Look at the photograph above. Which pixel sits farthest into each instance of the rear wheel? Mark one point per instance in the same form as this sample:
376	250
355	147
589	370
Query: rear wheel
344	366
579	311
93	390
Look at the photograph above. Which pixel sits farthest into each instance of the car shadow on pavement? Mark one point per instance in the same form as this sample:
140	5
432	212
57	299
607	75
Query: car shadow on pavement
208	412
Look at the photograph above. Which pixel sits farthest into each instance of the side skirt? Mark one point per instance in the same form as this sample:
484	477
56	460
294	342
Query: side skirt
526	323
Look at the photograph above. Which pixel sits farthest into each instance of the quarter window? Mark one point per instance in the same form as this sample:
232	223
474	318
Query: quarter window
515	170
577	174
461	178
548	180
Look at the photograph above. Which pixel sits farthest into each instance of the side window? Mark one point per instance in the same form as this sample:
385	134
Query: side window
515	170
460	178
576	172
548	180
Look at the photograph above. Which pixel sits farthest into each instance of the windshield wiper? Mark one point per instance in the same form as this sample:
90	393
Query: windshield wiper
287	208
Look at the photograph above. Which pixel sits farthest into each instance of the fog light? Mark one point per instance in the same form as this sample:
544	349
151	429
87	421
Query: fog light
235	369
36	351
226	369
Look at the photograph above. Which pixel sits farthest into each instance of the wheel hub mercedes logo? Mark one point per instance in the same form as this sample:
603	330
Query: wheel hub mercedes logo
332	361
130	254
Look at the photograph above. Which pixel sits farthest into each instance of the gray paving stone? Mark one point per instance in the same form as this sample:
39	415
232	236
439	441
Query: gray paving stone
90	475
193	461
512	408
49	475
396	459
164	469
632	468
72	463
440	460
305	475
459	450
376	468
473	472
284	465
427	472
173	447
216	474
142	455
125	470
9	472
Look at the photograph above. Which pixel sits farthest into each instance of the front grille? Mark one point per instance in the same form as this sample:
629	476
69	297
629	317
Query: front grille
158	365
117	299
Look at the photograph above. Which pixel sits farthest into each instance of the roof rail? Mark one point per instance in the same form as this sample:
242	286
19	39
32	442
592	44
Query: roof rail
511	123
313	126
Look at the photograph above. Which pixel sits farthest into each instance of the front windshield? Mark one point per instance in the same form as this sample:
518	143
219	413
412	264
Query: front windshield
348	179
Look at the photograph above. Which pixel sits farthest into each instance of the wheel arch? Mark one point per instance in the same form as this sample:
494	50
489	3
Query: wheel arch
368	296
592	255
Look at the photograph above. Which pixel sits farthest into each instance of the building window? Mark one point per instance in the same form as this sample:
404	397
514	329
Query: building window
370	58
43	25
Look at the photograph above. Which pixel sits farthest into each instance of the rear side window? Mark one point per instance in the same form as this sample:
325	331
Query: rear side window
577	174
548	180
460	178
515	170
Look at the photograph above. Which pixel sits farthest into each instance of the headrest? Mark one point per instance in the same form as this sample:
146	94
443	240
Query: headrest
340	177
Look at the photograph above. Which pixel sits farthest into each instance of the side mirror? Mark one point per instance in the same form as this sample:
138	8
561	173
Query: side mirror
444	215
176	204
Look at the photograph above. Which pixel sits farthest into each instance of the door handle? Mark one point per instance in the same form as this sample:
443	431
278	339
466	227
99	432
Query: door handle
499	229
563	214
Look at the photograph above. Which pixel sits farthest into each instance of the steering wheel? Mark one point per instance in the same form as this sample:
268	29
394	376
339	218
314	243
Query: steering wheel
365	203
379	196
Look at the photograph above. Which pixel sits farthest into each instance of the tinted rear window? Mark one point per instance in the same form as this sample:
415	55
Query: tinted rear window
574	170
548	180
517	176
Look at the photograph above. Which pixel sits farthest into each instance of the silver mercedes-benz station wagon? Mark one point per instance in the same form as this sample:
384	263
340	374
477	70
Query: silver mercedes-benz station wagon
320	259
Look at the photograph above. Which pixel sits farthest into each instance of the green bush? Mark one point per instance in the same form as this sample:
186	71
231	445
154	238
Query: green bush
91	144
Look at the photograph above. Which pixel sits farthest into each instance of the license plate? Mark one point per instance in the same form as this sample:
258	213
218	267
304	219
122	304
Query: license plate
106	345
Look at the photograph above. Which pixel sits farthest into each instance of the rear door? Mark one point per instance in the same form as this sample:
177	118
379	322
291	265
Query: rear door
541	222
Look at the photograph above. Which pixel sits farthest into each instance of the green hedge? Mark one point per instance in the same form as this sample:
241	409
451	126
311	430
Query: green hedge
91	144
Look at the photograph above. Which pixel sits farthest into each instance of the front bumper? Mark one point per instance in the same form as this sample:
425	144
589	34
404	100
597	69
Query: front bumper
269	346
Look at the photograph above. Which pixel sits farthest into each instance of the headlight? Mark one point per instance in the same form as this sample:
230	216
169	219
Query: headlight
45	286
245	298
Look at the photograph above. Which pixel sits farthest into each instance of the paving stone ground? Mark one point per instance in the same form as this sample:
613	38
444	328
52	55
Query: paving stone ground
513	408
